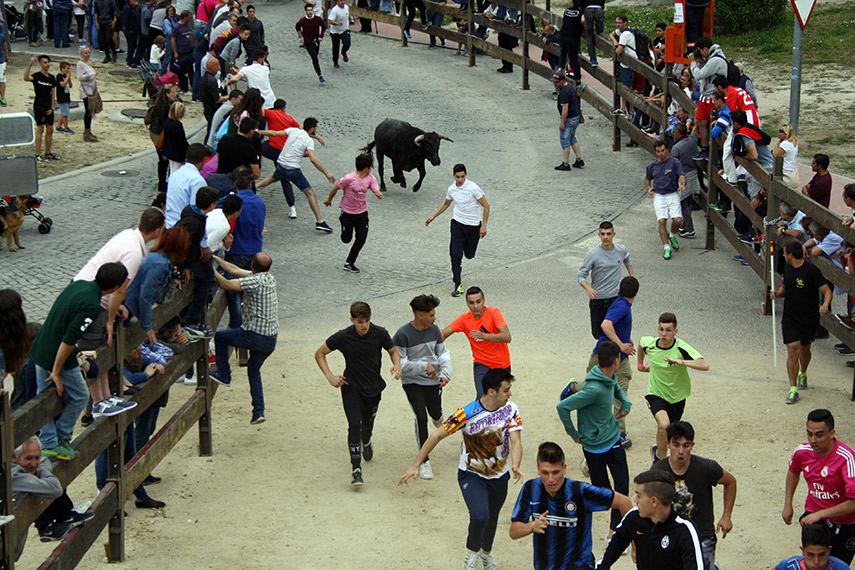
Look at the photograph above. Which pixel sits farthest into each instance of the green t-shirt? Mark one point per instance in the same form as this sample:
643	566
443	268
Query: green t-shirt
669	381
73	311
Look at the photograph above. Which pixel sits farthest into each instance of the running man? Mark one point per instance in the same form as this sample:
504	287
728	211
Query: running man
816	551
695	478
662	538
664	181
310	30
557	512
354	206
425	368
602	265
669	384
598	432
491	427
829	470
488	336
361	383
800	290
298	145
468	221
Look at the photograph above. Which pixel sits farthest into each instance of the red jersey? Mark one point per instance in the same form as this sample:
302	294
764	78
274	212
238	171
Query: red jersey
737	98
279	121
830	478
488	353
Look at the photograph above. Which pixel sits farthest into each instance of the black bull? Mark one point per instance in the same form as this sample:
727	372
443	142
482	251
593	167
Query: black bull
408	147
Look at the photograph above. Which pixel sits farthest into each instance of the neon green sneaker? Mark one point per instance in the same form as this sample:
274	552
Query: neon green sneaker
674	245
458	291
801	383
794	395
667	254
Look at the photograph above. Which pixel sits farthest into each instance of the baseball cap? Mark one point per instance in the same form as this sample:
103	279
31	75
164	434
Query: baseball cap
559	76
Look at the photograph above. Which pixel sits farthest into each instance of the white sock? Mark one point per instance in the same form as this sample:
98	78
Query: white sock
666	246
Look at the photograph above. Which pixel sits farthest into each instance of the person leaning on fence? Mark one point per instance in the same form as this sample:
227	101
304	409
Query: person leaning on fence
623	41
53	352
14	340
819	187
750	143
198	261
788	147
259	328
707	61
32	475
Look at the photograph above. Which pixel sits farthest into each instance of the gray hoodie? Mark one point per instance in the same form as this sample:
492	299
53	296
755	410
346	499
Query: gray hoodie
44	483
705	70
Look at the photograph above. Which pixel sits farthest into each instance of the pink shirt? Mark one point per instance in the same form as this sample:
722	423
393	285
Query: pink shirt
127	247
830	478
354	190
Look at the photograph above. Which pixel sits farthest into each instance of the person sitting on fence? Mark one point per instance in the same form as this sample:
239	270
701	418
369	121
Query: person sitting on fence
750	143
549	36
570	37
137	370
220	222
746	84
707	61
659	47
73	311
819	187
32	475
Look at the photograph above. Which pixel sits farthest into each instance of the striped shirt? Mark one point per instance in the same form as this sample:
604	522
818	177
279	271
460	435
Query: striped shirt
260	308
830	478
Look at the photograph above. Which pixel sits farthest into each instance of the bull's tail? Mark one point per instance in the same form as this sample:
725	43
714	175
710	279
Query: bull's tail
369	149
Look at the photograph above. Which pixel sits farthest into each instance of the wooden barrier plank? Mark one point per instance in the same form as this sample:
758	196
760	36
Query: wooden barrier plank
747	252
739	200
77	543
638	101
163	441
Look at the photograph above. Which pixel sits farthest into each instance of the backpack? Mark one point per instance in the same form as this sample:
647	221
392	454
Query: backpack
733	74
738	146
642	41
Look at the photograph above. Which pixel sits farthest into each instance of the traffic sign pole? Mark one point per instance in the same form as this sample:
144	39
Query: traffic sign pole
796	76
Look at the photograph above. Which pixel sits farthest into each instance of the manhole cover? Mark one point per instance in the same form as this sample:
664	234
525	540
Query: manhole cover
119	173
124	72
135	113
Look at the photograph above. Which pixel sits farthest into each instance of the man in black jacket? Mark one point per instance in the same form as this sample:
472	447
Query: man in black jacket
662	539
193	217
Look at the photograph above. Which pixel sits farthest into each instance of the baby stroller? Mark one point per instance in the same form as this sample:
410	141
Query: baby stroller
152	82
14	23
22	168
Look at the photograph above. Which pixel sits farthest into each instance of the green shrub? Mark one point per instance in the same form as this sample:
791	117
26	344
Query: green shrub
733	17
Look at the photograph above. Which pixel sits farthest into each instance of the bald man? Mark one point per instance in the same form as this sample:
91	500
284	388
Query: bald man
209	91
259	329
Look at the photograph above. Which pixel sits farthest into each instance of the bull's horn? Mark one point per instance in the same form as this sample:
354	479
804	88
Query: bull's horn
442	136
419	139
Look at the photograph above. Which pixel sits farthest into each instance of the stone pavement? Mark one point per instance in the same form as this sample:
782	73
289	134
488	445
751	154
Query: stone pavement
507	138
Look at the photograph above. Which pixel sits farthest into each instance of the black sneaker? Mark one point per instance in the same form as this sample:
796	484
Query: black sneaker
653	457
356	478
216	378
458	290
149	503
55	531
368	451
579	163
351	267
563	166
151	480
86	419
257	418
323	226
78	519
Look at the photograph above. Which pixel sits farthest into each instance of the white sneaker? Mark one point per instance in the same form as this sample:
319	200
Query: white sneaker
292	212
488	562
104	409
436	423
190	381
584	467
117	402
471	561
425	471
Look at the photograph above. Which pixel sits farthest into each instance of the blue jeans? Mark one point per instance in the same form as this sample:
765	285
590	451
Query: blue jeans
234	297
198	54
594	25
484	499
130	451
568	135
145	425
272	153
387	6
436	20
259	346
478	372
76	393
708	553
61	19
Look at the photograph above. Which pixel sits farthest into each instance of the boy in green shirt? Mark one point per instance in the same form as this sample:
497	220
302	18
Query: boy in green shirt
669	384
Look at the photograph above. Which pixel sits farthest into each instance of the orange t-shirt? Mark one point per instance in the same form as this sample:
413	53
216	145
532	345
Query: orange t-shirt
488	353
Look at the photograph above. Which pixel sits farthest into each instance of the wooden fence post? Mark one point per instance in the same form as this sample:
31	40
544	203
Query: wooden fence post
471	26
773	202
524	16
116	453
203	381
712	194
666	102
7	556
402	22
615	101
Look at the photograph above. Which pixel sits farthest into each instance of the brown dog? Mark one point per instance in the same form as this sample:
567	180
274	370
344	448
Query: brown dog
13	219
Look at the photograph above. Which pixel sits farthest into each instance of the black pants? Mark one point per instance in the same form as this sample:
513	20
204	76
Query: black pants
365	23
615	460
132	38
599	308
354	224
312	50
507	42
343	40
81	25
105	39
570	49
203	273
842	540
464	241
360	412
182	67
59	510
412	6
425	401
87	116
162	169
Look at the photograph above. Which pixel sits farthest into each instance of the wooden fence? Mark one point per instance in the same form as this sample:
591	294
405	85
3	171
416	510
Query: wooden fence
610	82
108	434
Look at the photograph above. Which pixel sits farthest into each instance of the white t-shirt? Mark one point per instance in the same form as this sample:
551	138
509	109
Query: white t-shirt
791	155
155	56
339	15
295	148
627	40
258	75
216	227
467	209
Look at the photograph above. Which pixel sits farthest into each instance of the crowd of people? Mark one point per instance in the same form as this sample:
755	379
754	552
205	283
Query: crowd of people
209	216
